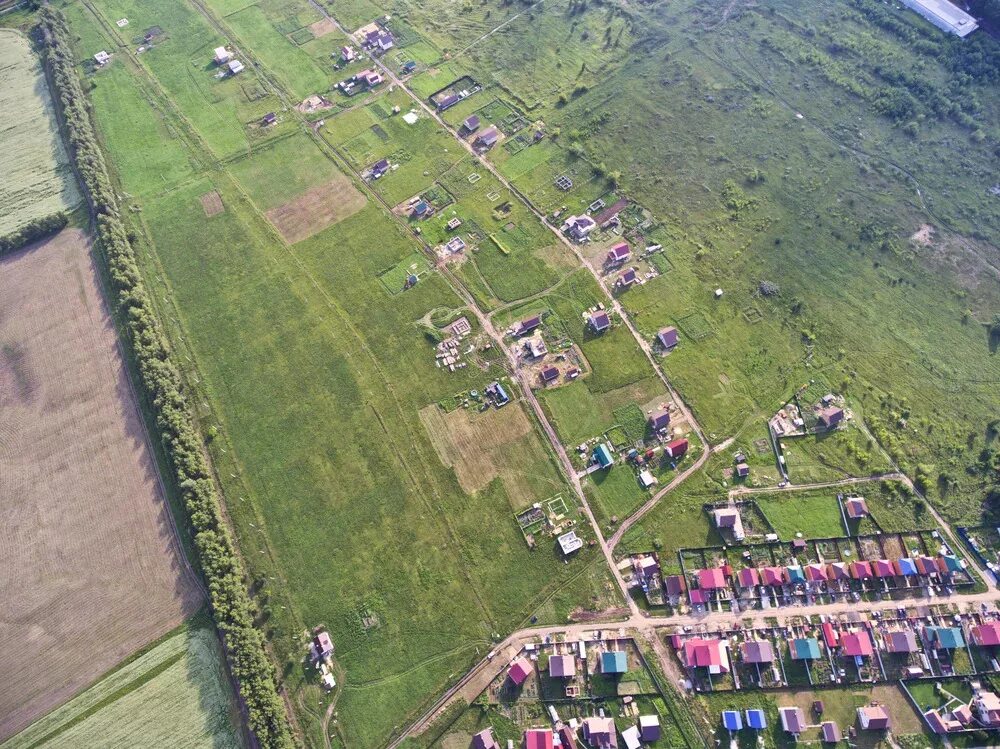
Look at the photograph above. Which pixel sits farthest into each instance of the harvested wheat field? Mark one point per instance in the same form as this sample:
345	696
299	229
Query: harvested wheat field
481	447
90	566
316	209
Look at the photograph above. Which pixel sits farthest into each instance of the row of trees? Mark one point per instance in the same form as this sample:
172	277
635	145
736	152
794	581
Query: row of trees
40	228
222	567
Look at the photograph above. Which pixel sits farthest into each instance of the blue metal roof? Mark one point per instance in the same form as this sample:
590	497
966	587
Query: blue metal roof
603	455
907	566
731	720
613	662
756	719
796	575
805	648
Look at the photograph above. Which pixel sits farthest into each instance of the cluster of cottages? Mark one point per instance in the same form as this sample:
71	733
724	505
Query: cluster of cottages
485	139
829	412
536	350
719	583
982	712
579	228
597	732
377	40
912	641
872	717
227	63
364	80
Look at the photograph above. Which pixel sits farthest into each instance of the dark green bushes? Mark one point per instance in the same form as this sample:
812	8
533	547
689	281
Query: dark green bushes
33	231
231	604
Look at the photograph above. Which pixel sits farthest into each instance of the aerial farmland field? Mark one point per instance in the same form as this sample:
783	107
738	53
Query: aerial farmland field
37	179
93	567
517	344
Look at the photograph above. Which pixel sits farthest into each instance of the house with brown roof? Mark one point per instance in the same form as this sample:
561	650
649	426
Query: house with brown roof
830	417
901	641
567	738
600	733
856	508
609	215
757	651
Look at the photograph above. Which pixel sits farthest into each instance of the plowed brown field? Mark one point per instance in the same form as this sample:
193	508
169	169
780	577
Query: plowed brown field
90	566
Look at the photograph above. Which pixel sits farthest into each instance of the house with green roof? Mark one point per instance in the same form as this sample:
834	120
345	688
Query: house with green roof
804	648
945	638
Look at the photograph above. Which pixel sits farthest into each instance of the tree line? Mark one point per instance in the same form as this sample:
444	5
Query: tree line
40	228
231	604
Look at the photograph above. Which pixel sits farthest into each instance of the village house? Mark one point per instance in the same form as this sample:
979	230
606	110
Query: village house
831	732
676	449
830	417
609	215
600	733
757	651
222	56
549	374
578	227
659	420
455	245
667	338
618	254
742	470
602	454
485	740
487	139
446	102
649	728
562	666
519	671
599	321
986	635
102	58
856	508
527	325
235	67
728	518
379	168
570	542
732	720
322	646
873	718
674	585
470	124
709	654
901	641
748	577
857	644
347	54
804	648
627	279
538	738
613	662
756	719
793	720
268	119
567	738
378	41
987	708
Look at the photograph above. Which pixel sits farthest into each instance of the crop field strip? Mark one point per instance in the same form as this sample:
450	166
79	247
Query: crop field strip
37	180
82	466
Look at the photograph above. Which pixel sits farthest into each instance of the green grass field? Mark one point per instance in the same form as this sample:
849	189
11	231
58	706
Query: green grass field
814	514
175	693
37	179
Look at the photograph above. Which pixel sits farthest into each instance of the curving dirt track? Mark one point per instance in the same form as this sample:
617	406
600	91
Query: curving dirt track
90	566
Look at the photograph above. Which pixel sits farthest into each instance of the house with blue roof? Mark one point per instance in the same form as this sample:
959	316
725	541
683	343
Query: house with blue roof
795	574
731	720
602	454
756	719
613	662
906	567
804	648
945	638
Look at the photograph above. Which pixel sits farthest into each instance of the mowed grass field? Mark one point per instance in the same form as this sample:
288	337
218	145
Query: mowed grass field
93	570
37	179
314	375
176	693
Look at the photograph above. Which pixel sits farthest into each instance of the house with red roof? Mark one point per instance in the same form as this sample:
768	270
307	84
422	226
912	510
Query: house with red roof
711	578
567	738
676	449
773	576
856	508
710	654
986	635
519	671
815	573
698	597
538	738
857	644
838	571
926	566
830	635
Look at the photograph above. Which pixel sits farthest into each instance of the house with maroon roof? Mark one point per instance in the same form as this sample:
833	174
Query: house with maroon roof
748	577
520	670
757	651
861	570
527	325
627	279
676	449
830	417
710	654
926	566
674	585
773	576
562	666
667	338
838	571
618	254
815	573
856	508
600	733
901	641
883	568
549	374
609	215
567	738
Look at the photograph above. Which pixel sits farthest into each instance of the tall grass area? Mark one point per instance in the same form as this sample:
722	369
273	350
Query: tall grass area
175	693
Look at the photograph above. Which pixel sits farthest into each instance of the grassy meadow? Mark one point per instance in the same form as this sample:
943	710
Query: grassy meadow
176	692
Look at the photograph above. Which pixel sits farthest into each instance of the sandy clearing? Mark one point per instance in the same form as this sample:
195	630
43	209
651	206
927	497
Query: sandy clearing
90	569
316	209
322	27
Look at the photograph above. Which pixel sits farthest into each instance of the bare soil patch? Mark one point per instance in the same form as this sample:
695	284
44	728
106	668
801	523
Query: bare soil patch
482	446
90	565
211	202
322	27
316	209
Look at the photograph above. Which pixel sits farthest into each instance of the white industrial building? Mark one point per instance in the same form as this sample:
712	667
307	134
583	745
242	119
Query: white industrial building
944	15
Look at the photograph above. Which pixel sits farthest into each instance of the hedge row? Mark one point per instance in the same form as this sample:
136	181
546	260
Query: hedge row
231	604
40	228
